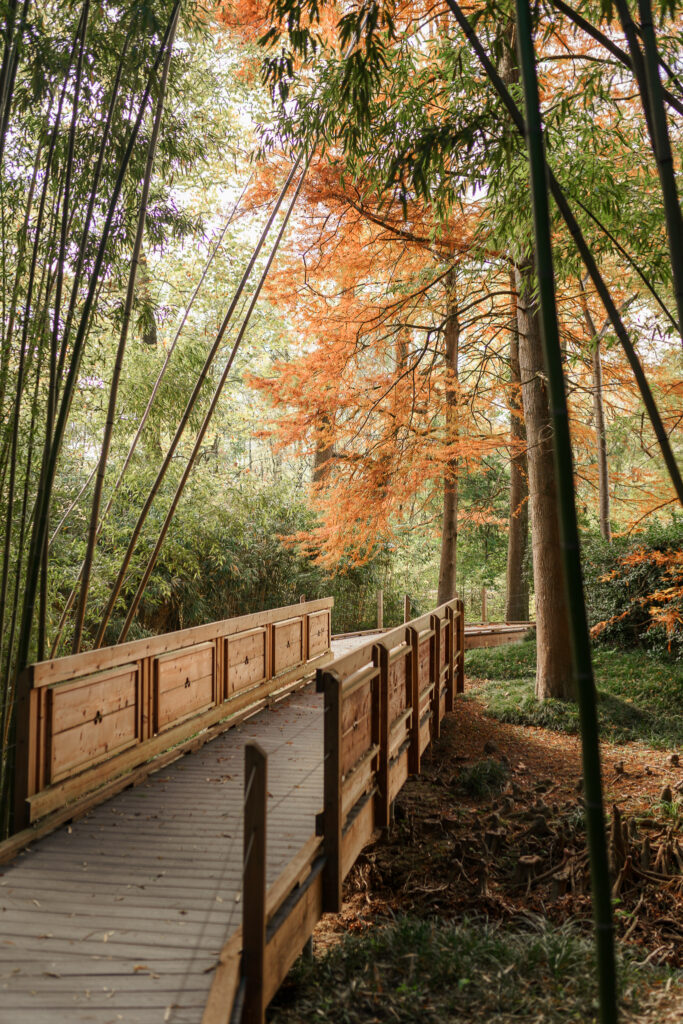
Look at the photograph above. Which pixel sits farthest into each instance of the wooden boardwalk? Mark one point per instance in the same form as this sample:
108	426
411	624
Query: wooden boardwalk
121	915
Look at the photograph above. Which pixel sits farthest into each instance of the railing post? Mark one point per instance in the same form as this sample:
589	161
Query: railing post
383	808
450	657
414	749
406	608
254	882
332	787
460	677
435	625
380	609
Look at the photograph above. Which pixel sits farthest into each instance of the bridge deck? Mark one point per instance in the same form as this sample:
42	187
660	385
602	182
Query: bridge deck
121	915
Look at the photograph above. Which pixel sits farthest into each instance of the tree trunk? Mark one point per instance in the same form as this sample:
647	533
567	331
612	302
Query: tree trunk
553	649
517	582
449	530
324	449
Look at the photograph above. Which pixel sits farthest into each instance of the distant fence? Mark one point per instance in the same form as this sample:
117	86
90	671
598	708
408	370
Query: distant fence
86	722
383	706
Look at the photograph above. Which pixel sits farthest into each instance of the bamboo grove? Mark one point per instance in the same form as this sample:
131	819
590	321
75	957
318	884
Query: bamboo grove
444	314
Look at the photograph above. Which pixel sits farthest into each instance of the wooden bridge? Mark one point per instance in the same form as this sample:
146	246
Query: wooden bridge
187	898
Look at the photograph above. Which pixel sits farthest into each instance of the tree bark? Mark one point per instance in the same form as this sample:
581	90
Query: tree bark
517	582
324	449
553	649
449	529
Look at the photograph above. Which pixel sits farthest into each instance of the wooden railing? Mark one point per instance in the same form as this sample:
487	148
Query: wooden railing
88	721
384	703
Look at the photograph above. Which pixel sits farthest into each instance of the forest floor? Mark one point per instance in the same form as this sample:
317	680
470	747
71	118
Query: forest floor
476	904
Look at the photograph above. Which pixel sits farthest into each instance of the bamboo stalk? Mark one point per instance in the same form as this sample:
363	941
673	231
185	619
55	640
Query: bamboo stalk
132	543
571	555
612	47
209	415
24	344
586	256
661	145
131	450
40	522
93	531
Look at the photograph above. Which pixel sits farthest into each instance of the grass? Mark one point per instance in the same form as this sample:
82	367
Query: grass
640	695
483	779
442	971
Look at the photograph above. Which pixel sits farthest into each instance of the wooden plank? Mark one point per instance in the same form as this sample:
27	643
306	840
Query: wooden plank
399	678
355	785
254	886
414	753
290	938
356	727
398	773
75	703
318	633
90	744
293	875
332	795
172	670
287	644
460	675
225	982
186	701
217	719
399	732
246	659
425	732
73	665
357	834
383	766
434	676
184	684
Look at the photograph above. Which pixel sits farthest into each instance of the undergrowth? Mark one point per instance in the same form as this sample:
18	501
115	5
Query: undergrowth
640	694
483	778
441	971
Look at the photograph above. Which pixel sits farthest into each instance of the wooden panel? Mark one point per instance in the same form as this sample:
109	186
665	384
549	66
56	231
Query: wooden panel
398	681
443	648
425	733
423	662
358	782
318	633
291	937
288	644
92	719
398	773
189	734
184	684
245	660
358	833
60	669
356	726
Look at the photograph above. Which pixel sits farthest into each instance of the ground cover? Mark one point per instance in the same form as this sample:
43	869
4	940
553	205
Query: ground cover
476	904
640	694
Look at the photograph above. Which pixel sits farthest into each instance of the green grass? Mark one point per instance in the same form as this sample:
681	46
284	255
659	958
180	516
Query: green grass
441	971
640	695
483	779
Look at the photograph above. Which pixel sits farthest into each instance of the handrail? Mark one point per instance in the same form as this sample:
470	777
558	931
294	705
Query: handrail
383	706
88	720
